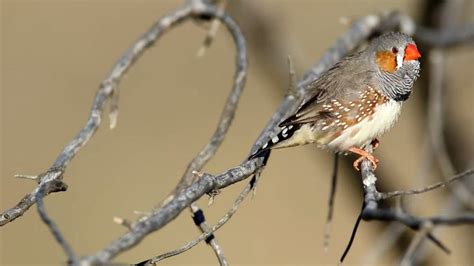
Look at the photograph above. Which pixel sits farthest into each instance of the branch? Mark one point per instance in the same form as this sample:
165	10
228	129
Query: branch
387	195
51	181
372	212
445	38
72	259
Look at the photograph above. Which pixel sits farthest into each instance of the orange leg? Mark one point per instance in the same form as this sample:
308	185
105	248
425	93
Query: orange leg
363	155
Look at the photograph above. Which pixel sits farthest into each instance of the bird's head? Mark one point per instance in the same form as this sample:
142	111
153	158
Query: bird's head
396	58
394	50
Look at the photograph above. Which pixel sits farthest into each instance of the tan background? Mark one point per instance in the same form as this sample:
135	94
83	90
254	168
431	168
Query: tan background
54	55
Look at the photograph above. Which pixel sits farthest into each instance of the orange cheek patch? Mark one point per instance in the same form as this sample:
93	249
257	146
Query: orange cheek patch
386	61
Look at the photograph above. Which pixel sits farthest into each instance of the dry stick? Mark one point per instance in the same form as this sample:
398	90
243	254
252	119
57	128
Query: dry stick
332	195
387	195
72	259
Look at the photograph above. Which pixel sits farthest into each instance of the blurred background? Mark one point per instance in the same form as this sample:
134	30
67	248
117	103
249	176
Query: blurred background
55	53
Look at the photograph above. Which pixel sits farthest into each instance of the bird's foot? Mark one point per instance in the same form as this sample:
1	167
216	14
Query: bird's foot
363	155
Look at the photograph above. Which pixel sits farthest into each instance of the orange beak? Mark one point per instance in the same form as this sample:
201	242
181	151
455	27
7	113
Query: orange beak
411	52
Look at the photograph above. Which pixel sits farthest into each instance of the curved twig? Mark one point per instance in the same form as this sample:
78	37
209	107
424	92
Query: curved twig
72	258
107	89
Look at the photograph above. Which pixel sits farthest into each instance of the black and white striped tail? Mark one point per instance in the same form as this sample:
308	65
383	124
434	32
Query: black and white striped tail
285	133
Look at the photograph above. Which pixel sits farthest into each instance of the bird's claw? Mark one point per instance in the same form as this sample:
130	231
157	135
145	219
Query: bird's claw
369	157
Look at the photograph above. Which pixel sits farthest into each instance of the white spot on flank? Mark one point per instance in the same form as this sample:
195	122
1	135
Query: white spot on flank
383	118
275	139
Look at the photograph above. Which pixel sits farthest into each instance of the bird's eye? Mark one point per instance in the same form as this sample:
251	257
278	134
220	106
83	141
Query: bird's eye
394	50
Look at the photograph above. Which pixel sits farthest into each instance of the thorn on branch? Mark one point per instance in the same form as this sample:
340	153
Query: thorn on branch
211	34
30	177
123	222
212	194
114	109
293	84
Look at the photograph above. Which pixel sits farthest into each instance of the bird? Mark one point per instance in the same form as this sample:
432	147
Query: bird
354	102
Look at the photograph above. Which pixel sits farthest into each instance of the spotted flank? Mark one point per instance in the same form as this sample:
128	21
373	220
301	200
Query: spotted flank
350	113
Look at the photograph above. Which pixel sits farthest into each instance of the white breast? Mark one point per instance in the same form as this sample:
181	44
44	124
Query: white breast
382	119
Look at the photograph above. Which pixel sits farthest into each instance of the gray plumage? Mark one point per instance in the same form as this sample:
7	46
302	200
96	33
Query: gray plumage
357	99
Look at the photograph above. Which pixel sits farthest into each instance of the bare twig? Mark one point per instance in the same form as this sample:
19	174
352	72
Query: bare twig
387	195
72	259
52	176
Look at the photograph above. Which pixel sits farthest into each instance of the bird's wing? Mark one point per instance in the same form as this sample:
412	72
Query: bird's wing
342	82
